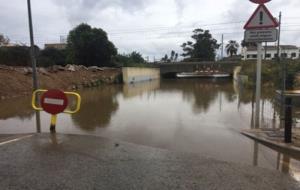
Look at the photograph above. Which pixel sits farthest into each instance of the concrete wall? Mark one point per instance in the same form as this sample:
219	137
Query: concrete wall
225	66
136	74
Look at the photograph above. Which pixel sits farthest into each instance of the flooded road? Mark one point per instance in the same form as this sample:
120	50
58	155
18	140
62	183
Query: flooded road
199	116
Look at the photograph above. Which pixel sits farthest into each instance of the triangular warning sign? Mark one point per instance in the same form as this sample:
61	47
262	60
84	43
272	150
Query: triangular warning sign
261	18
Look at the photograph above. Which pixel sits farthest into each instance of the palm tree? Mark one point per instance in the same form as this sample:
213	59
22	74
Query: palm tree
176	57
165	58
232	48
248	44
172	55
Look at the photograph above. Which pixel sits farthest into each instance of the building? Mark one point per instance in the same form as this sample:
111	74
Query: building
11	45
270	52
59	46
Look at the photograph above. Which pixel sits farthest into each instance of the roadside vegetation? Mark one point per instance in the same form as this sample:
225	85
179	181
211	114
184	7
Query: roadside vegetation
272	72
86	46
90	46
202	47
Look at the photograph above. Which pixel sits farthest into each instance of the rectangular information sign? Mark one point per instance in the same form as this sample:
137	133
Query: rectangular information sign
261	35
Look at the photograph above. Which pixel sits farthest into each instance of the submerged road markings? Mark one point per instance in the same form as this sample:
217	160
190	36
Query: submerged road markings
15	140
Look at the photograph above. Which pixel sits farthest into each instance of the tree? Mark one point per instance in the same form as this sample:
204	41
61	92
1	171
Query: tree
165	58
172	55
203	49
3	40
16	55
128	60
232	48
52	56
176	57
90	47
136	57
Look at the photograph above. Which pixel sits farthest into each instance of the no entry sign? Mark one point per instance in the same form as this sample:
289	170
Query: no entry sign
54	101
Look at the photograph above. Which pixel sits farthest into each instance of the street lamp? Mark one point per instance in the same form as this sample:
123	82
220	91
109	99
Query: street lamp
33	62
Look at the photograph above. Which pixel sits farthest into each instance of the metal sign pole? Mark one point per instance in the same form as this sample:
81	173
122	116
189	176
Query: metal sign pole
258	84
33	61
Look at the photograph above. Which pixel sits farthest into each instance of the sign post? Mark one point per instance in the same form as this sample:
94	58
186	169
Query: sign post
33	63
261	27
258	85
55	102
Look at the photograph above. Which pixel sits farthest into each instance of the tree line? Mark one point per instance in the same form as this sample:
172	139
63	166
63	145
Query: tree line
85	46
91	47
203	47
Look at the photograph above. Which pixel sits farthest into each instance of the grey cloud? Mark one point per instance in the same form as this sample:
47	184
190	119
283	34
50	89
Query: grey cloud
180	7
239	12
83	10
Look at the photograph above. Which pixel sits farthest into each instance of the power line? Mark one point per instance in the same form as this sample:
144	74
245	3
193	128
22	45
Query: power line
160	32
162	28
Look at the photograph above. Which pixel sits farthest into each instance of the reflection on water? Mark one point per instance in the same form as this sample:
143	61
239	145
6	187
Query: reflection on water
137	89
200	116
97	107
16	108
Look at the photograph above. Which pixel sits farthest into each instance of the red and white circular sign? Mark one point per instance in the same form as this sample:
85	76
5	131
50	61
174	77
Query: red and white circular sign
260	1
54	101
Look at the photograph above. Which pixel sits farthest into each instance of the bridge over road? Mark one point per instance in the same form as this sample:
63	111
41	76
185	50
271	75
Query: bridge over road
173	68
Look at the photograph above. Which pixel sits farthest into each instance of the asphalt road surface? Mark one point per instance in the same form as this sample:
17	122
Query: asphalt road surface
45	161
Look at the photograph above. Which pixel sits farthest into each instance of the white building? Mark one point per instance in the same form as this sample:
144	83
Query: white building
270	52
10	45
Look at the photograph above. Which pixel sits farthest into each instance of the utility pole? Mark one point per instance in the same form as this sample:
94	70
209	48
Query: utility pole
279	55
222	50
283	72
33	62
278	43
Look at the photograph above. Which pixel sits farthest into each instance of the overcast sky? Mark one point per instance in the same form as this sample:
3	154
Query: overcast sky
152	27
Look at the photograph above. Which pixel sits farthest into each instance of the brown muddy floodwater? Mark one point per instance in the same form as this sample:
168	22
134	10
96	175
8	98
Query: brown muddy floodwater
199	116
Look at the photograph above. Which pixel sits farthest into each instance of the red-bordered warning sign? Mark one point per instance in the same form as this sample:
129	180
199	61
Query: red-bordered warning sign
261	18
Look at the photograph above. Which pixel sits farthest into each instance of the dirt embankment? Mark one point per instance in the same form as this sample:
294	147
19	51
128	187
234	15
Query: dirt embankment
17	81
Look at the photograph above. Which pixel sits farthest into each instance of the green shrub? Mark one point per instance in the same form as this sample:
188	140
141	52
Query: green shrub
271	70
51	56
15	56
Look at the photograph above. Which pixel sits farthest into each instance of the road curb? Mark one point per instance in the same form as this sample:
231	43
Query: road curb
283	147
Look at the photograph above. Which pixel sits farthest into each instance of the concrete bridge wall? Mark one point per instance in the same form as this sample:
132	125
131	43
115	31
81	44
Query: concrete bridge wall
192	66
136	74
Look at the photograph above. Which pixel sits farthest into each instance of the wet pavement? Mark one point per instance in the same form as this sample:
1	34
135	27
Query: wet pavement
274	138
45	161
6	138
